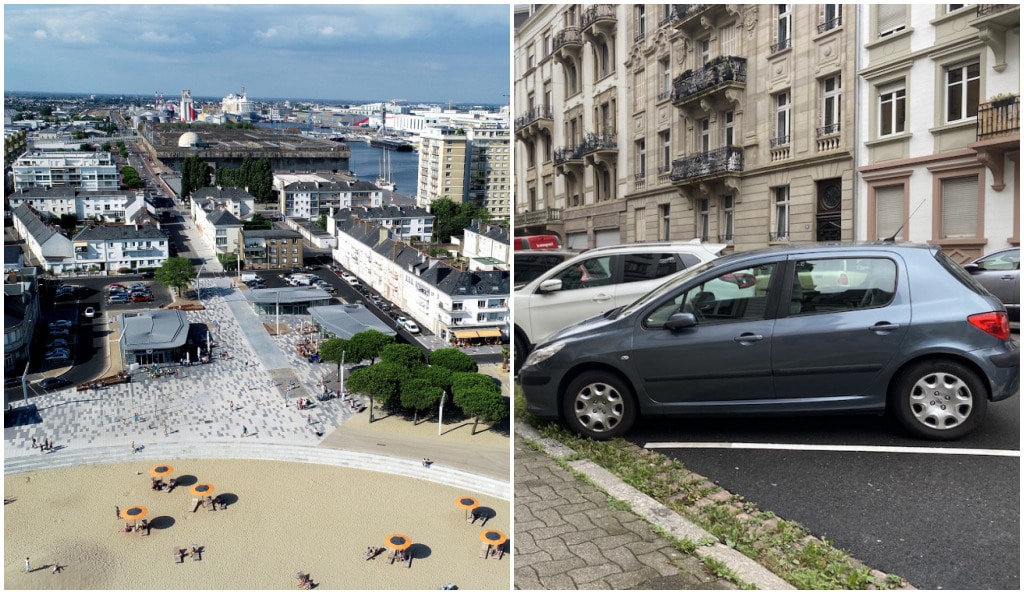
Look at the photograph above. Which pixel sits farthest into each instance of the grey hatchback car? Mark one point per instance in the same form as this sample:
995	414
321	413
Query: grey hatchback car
857	328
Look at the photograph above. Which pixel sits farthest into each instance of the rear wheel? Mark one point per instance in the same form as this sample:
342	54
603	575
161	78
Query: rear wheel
599	405
939	399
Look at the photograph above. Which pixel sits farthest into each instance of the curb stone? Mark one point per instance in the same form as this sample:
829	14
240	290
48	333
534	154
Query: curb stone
746	569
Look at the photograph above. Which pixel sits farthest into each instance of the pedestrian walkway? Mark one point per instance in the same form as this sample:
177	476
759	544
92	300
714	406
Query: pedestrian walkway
570	536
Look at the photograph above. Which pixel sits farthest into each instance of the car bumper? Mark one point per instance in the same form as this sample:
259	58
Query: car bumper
1005	372
540	391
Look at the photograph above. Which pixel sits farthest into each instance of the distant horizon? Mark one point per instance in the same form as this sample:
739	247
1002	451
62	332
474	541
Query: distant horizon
173	98
455	52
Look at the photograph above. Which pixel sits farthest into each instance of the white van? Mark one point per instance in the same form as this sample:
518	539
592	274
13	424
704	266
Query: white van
251	276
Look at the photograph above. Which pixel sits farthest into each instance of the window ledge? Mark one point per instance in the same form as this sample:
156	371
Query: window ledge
888	38
882	140
971	123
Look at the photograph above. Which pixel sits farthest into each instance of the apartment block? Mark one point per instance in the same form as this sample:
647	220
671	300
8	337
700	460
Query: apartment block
71	169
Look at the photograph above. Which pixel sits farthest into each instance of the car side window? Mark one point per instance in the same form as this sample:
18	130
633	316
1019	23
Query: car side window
642	267
733	296
1003	261
591	272
831	285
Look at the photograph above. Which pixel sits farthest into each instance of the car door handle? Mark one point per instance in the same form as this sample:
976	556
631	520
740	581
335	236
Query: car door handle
1007	277
601	298
748	337
884	327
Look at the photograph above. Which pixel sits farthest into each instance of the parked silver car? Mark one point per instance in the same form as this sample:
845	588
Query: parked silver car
815	329
999	272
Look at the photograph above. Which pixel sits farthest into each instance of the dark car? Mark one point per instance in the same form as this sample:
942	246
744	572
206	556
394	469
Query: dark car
863	328
999	272
52	383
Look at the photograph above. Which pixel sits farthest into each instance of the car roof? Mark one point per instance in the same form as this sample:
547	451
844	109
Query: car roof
827	247
693	245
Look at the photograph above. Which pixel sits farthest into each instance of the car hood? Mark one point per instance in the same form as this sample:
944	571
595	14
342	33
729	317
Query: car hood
584	328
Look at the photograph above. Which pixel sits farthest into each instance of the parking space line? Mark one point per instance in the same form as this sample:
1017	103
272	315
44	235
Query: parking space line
698	445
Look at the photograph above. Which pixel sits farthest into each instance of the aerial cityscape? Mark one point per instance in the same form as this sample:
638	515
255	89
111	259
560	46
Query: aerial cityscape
284	300
512	296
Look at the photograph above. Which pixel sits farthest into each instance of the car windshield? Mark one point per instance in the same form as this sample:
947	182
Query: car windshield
666	287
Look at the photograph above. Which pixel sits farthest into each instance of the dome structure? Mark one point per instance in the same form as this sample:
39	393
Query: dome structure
188	140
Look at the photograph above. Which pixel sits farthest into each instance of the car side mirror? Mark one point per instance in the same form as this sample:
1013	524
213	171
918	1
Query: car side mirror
550	286
973	268
678	321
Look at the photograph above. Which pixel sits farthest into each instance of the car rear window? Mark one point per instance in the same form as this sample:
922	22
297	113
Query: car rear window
959	273
530	266
642	267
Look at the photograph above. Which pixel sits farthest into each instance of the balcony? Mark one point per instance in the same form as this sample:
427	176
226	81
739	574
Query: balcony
829	138
568	43
599	15
724	72
600	146
675	13
998	133
995	24
535	121
541	217
567	155
714	164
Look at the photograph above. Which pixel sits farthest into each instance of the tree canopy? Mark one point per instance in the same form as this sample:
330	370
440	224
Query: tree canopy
368	344
451	217
256	177
453	360
176	272
195	174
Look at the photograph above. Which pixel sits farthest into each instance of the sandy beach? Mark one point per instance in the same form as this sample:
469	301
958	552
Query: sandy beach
282	518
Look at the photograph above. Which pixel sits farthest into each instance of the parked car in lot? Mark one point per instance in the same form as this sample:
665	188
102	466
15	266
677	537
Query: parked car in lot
59	343
139	298
53	383
90	312
917	336
999	272
61	324
57	355
596	281
410	326
60	331
117	298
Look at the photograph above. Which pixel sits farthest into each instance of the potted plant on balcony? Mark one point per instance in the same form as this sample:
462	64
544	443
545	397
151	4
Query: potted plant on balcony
1002	100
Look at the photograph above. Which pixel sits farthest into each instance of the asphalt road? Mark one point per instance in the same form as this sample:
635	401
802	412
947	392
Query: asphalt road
943	515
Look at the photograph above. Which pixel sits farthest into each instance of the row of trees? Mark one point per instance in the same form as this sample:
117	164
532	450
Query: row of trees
255	176
403	381
451	217
195	174
130	178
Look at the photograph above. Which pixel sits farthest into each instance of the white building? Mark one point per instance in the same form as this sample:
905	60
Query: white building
48	246
487	247
309	195
104	205
237	201
74	169
219	228
114	249
402	222
939	123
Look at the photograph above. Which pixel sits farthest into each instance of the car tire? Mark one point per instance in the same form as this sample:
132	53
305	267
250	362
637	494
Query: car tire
599	405
519	352
939	399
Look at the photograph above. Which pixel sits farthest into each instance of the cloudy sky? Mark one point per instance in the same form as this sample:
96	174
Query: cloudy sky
457	53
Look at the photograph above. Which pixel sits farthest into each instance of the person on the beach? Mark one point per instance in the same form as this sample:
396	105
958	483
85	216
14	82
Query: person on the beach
117	510
133	447
28	566
245	431
57	567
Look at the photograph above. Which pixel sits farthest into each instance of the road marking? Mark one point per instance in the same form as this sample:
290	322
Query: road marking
678	445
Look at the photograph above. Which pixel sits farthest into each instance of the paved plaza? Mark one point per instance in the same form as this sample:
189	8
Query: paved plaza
242	404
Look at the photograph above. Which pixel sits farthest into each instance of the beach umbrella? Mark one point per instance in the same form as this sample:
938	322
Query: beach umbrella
201	489
493	537
398	542
135	512
466	503
161	470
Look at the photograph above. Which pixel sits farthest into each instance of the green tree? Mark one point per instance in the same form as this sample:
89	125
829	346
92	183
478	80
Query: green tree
195	174
438	376
85	147
467	382
368	344
406	355
68	222
484	405
257	221
450	217
105	147
381	382
332	348
261	183
176	272
79	135
453	359
419	394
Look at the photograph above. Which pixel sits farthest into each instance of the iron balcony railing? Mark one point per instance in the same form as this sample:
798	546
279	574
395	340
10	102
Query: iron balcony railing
675	13
725	159
987	9
830	24
564	154
781	45
722	70
596	13
827	130
532	115
598	142
999	118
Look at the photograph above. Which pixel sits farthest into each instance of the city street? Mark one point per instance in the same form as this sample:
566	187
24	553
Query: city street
943	515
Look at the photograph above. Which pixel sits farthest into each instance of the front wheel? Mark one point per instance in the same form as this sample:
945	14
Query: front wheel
941	400
599	405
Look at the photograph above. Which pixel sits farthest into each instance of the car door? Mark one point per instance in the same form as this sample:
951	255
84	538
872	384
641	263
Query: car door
644	272
587	289
726	356
836	337
1000	274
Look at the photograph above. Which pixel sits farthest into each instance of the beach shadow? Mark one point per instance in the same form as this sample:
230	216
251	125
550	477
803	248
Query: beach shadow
161	522
419	551
24	415
186	480
486	513
225	500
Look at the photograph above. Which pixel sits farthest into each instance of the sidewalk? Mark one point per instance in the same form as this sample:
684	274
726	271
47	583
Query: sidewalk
570	536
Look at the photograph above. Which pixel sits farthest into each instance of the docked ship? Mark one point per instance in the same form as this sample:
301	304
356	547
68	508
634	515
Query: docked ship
391	143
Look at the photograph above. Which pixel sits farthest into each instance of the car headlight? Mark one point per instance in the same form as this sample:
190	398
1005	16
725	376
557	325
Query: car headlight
544	353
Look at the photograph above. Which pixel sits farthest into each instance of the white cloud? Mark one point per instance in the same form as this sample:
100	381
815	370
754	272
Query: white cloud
39	34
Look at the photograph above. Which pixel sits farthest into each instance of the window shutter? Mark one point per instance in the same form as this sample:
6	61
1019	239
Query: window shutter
889	212
960	207
890	18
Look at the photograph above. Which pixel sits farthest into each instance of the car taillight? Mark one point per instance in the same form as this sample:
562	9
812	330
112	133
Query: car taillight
996	323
